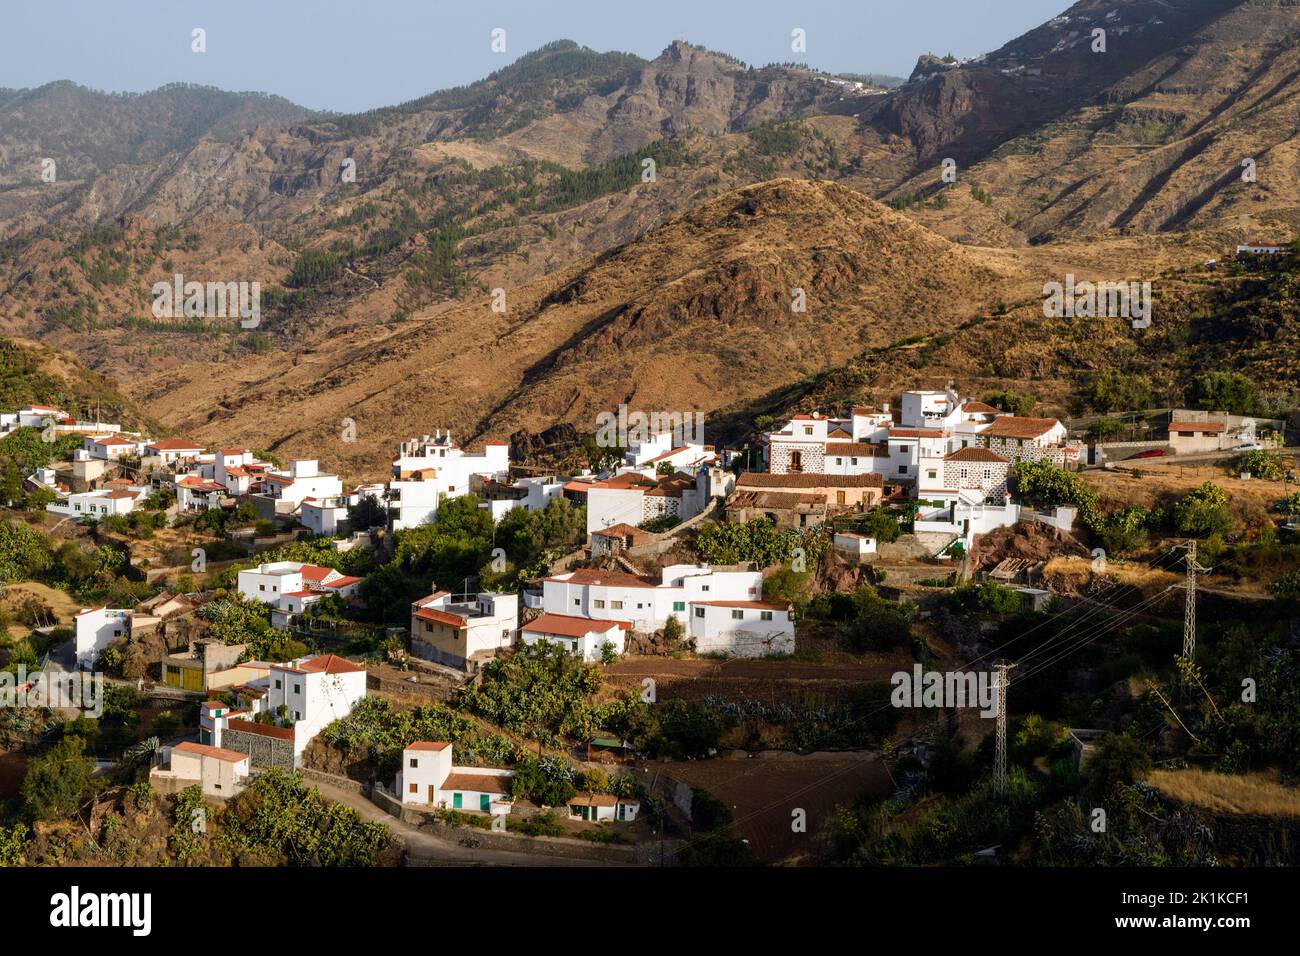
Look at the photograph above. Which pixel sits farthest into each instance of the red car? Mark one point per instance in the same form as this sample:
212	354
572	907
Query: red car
1149	453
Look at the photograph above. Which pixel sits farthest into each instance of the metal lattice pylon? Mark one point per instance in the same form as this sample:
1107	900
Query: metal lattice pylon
1189	607
1000	751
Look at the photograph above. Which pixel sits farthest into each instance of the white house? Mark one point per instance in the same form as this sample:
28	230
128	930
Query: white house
632	497
742	628
269	582
98	504
220	772
600	807
690	593
302	480
302	697
1261	248
856	546
429	468
325	517
98	627
464	632
112	447
173	450
428	778
931	425
973	467
578	635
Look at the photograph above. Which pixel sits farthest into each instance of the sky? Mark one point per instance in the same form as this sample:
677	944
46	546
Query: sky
351	55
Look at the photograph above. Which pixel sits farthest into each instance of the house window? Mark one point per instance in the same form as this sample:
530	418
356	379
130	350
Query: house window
765	615
297	688
840	461
577	602
931	474
616	605
261	587
415	762
699	612
277	685
679	605
598	603
415	788
704	587
427	626
902	469
737	615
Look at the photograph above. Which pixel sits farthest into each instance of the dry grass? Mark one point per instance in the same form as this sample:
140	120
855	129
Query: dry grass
13	596
1257	794
1078	571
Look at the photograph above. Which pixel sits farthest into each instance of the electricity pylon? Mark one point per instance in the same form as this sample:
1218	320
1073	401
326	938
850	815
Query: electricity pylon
1000	751
1189	607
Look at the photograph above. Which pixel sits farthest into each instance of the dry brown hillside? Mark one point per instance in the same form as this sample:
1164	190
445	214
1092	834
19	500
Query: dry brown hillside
694	314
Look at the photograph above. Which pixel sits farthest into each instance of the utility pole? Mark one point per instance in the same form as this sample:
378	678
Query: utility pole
1000	752
1189	607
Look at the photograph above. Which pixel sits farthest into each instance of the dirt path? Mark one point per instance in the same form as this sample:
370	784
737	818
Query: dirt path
425	849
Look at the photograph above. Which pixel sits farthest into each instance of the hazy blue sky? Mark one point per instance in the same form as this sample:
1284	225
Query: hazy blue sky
356	54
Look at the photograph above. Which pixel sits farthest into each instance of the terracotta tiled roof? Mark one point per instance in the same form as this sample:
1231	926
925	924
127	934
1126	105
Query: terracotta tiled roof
860	448
1189	428
778	500
175	444
479	782
615	579
330	664
916	433
593	800
621	530
976	453
204	750
440	617
762	479
569	626
262	730
1014	426
434	745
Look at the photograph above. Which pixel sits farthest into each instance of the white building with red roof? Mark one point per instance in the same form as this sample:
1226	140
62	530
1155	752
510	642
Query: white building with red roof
173	450
433	467
718	609
272	582
301	697
112	447
220	772
463	630
429	778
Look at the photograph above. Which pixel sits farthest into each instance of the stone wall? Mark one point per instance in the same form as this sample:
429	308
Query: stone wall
262	751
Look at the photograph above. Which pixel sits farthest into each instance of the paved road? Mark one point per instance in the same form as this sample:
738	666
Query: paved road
425	849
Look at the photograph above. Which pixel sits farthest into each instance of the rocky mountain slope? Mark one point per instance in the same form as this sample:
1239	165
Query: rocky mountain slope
647	223
695	313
